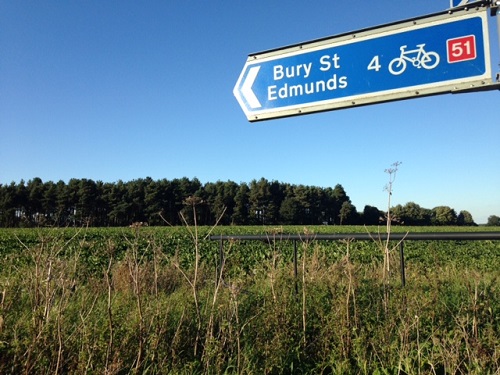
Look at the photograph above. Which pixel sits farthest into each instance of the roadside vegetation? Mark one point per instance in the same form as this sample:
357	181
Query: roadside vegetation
141	299
159	300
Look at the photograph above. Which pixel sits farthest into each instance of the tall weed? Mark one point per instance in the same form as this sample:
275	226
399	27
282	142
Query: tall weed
143	309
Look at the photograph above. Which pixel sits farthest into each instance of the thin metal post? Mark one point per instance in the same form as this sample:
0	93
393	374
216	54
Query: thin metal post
402	258
221	260
295	273
498	30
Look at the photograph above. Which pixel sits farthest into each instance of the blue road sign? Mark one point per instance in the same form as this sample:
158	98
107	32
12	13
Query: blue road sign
427	56
456	3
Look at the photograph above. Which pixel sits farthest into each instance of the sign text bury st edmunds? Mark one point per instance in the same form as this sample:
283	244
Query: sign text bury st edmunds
426	56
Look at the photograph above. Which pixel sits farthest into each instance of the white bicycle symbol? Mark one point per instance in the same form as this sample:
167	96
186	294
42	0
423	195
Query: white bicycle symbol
424	59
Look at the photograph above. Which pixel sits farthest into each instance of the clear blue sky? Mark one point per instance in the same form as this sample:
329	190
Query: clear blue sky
111	90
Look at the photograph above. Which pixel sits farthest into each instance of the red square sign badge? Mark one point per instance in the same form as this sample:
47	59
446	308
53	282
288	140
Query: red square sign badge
461	49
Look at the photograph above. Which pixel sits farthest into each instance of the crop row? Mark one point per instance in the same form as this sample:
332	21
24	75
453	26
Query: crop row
95	245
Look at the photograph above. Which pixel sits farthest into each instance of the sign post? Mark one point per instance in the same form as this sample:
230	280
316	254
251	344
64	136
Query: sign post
443	53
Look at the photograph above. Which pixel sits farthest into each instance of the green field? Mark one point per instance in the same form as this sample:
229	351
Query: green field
159	300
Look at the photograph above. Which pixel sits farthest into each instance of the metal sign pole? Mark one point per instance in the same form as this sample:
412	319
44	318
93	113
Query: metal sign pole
498	30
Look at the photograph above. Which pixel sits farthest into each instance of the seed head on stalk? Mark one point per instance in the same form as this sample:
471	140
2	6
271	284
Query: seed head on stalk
392	177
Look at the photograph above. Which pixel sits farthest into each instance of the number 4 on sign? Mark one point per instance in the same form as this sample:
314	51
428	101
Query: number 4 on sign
374	64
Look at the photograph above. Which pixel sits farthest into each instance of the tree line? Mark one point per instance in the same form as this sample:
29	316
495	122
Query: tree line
184	201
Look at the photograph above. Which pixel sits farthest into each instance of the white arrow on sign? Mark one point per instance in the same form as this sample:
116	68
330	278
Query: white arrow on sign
246	89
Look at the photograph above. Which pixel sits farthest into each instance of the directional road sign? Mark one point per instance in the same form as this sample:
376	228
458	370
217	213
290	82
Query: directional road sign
445	52
457	3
